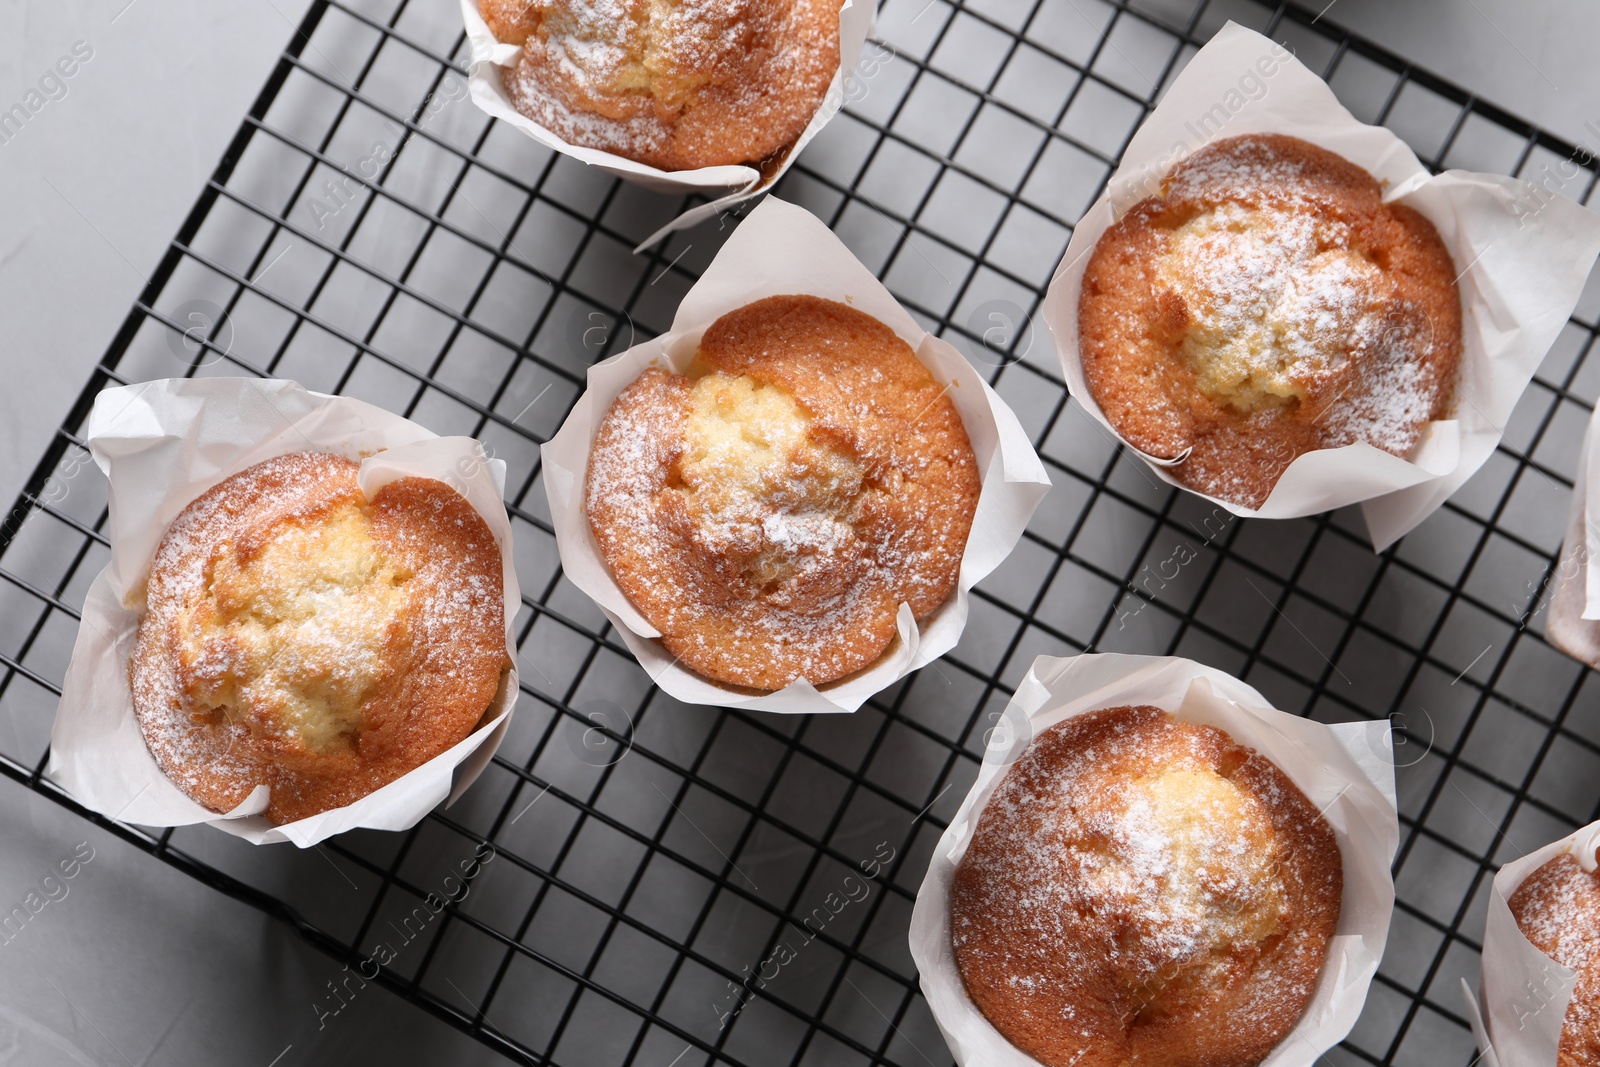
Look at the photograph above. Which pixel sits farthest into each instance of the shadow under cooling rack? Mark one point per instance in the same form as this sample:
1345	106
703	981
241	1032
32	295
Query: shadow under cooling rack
370	233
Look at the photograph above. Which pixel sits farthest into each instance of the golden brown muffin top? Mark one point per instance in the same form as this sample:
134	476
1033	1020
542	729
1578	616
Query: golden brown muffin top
299	636
675	84
1144	890
1266	304
1557	907
770	511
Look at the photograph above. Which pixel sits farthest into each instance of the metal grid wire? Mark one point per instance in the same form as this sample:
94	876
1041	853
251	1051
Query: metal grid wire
369	232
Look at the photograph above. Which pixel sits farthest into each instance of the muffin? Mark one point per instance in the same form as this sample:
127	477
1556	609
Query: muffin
674	84
1265	304
1143	890
299	636
770	510
1557	908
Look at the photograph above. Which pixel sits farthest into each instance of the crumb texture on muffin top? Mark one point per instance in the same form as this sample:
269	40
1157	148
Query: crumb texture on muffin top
770	510
1267	304
675	84
1557	908
1143	890
299	636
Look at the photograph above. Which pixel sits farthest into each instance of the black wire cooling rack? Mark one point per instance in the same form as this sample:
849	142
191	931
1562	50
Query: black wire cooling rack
369	232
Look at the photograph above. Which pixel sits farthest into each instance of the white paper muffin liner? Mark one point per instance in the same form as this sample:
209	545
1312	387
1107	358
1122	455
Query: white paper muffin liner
726	185
161	444
1346	770
1522	268
781	249
1525	993
1573	624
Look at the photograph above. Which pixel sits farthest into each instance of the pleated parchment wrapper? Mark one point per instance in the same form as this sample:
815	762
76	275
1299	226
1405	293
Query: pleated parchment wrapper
726	185
1346	770
781	249
1574	622
163	443
1525	993
1523	254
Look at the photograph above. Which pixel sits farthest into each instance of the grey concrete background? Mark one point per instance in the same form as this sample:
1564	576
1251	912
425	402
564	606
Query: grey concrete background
138	964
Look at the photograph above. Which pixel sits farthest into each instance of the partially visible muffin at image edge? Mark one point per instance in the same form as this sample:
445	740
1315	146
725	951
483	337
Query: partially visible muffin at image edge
1557	908
674	84
1265	304
770	510
1144	890
299	636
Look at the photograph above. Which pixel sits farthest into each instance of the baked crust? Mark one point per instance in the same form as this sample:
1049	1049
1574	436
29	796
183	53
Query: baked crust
1142	890
769	513
1267	304
298	636
1557	907
675	84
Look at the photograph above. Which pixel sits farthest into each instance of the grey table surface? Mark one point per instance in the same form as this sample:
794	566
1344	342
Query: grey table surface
137	963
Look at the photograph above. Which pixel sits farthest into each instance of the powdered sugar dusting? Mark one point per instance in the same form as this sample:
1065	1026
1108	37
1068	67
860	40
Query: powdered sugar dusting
770	512
674	83
298	636
1557	907
764	544
1285	309
1266	304
1120	862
